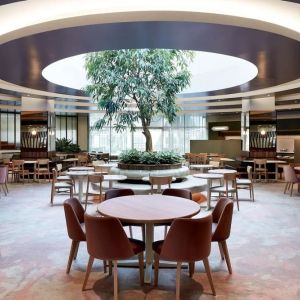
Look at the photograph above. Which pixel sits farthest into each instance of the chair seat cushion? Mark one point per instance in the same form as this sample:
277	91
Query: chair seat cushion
137	246
157	246
199	197
42	170
243	181
64	177
261	170
62	185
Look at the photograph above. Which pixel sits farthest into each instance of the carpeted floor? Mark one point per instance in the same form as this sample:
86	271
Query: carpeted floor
264	248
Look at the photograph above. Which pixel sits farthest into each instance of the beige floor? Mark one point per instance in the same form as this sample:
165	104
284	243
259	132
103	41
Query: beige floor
264	247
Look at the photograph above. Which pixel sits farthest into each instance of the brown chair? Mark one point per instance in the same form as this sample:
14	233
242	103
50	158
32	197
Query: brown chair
260	169
74	214
159	181
229	187
113	193
59	186
183	245
222	217
83	159
290	178
42	168
18	171
182	193
247	183
107	240
93	179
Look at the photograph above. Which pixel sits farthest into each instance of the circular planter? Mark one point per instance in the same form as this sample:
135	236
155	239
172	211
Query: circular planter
138	173
123	166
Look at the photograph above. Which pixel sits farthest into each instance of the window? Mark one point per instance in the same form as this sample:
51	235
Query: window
66	127
174	137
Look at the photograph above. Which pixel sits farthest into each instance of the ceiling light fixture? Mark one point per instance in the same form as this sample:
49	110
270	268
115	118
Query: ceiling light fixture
219	128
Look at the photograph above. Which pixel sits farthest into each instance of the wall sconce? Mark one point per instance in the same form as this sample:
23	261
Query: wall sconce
262	132
51	132
219	128
33	132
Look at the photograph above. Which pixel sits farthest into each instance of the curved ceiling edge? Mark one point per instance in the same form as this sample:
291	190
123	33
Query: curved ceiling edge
64	15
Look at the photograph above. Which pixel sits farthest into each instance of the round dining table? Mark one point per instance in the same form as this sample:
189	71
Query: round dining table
222	171
149	210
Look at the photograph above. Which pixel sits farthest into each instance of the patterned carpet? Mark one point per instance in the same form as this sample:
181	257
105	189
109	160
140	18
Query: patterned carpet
264	248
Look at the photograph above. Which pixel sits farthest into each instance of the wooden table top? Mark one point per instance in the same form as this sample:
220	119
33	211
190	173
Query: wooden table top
112	177
148	208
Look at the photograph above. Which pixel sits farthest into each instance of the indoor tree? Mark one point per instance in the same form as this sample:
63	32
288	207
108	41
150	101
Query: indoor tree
134	85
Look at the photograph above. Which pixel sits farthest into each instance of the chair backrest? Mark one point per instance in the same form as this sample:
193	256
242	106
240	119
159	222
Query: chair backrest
178	193
106	238
214	163
230	177
160	180
249	172
18	164
74	214
3	174
188	240
6	161
222	215
113	193
260	163
42	162
290	174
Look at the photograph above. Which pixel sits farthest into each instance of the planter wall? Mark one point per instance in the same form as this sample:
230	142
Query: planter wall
148	167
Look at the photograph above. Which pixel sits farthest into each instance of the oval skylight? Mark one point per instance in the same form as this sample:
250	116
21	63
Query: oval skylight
210	72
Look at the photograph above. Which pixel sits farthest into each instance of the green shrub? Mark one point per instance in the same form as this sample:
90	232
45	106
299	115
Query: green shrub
130	157
65	145
149	158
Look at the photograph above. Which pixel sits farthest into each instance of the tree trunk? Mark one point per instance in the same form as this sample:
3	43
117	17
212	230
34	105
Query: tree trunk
147	134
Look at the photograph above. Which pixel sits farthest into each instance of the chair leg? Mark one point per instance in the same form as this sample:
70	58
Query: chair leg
76	251
115	280
110	268
226	254
237	200
52	195
208	273
141	266
286	187
178	271
156	268
88	271
71	255
292	186
252	191
221	250
105	266
143	232
191	269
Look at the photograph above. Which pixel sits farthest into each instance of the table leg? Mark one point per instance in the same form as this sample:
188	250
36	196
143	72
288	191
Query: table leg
80	189
149	252
208	193
110	184
276	172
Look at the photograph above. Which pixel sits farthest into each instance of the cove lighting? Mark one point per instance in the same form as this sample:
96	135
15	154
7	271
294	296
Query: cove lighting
210	72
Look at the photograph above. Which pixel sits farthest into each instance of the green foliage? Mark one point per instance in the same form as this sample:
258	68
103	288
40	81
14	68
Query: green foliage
149	158
130	157
136	84
65	145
